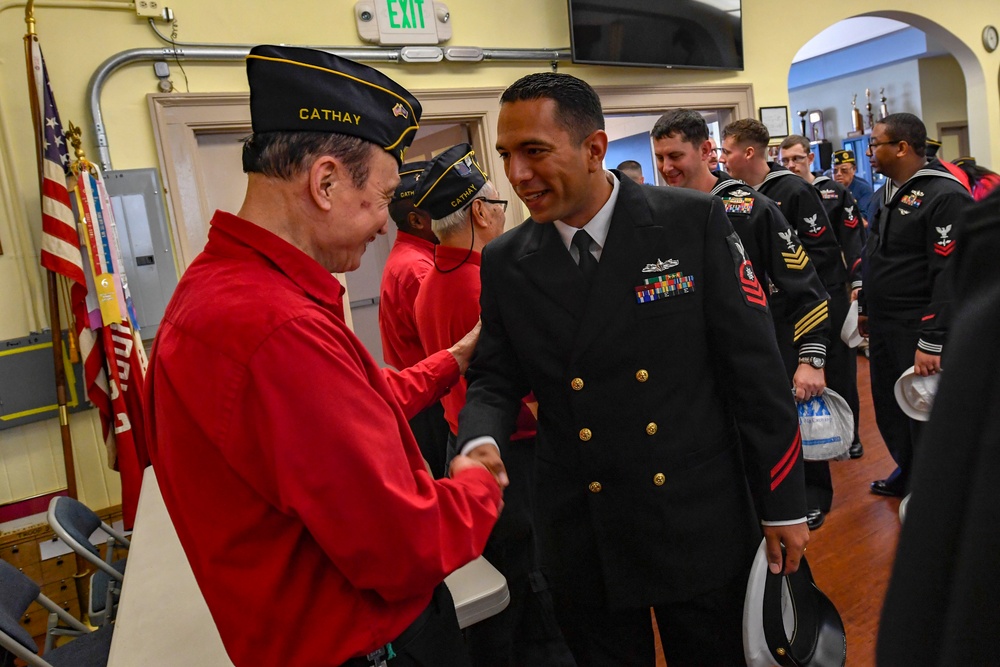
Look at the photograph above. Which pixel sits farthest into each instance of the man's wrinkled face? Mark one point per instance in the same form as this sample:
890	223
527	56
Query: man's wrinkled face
844	173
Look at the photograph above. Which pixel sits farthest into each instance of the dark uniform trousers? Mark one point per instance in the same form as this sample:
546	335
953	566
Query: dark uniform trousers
431	432
433	640
703	632
892	345
841	376
525	634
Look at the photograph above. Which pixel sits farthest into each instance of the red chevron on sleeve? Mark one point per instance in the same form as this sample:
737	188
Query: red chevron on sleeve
944	250
752	290
780	471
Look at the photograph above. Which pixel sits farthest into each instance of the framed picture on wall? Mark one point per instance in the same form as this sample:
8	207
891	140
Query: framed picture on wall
775	119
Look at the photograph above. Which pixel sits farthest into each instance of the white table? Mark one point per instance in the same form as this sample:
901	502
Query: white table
163	619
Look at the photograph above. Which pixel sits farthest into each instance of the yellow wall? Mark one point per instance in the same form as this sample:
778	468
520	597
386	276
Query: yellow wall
942	100
77	39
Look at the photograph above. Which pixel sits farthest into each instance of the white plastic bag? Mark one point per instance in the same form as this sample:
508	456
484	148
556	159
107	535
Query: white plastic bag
827	427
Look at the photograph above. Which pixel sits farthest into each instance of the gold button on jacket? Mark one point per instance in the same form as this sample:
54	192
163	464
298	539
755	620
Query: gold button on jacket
651	428
642	375
577	384
595	487
659	479
585	434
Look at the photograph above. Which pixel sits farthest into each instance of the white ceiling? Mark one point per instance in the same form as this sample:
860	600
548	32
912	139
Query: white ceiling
845	33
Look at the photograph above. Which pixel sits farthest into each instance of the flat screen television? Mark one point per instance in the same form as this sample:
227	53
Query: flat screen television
689	34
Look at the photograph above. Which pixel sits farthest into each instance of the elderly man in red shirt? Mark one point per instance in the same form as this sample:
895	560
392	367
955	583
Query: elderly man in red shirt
408	263
312	525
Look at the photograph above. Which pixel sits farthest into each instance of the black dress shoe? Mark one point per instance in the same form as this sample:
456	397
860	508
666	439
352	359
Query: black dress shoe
815	518
856	451
883	487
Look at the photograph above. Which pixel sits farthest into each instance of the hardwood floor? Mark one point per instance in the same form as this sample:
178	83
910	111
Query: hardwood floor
851	554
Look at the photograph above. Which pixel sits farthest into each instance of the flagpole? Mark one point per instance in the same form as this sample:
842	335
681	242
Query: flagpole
80	576
53	284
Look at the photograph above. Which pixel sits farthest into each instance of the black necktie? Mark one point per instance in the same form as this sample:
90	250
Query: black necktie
588	263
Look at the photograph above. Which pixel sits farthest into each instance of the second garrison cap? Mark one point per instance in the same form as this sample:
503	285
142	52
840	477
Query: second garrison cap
843	157
450	182
408	177
304	90
933	146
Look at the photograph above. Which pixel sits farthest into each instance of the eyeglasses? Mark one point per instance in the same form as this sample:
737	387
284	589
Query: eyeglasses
502	202
872	145
797	159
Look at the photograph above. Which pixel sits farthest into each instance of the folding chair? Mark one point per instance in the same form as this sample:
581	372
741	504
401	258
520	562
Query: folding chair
17	592
74	523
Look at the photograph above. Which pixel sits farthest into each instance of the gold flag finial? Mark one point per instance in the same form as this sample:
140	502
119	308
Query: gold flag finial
29	16
73	134
81	164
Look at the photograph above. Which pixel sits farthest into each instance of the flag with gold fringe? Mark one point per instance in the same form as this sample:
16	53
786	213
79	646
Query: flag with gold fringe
111	315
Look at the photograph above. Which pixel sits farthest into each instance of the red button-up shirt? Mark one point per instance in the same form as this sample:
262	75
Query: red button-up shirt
286	464
409	262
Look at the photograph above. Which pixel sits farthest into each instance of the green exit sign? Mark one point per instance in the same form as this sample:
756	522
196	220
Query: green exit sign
406	14
403	22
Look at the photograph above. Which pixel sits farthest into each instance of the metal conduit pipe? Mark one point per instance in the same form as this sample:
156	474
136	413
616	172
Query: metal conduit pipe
454	53
237	53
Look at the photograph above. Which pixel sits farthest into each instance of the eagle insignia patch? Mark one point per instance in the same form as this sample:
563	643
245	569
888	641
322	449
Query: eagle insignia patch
750	287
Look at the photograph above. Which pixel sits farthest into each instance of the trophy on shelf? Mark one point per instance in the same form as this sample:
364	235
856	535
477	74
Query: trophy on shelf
802	120
883	109
816	130
856	121
869	116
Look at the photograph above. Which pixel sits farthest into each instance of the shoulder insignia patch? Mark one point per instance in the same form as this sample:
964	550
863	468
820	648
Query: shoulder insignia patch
814	230
796	260
944	246
851	221
753	293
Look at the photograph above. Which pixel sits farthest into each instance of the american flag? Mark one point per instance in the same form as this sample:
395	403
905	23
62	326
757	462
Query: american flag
60	241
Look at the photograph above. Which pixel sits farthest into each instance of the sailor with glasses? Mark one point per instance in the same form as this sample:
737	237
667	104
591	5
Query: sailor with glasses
905	300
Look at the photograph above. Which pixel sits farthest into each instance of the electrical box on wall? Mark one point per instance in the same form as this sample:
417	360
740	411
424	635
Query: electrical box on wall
145	243
400	22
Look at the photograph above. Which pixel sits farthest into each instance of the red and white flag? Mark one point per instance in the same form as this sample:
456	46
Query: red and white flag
110	315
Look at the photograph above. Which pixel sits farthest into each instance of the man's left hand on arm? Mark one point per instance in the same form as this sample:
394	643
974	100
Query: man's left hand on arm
463	349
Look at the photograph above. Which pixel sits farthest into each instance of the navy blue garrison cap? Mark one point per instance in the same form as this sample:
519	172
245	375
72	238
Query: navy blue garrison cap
408	176
304	90
450	182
